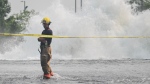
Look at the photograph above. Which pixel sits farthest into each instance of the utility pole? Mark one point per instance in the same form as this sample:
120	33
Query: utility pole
81	4
142	5
75	6
25	7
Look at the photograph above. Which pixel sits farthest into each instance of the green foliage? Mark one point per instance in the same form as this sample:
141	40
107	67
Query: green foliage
141	5
147	4
4	8
15	23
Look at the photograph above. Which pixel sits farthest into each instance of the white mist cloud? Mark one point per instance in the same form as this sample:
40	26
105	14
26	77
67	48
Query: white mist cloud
108	18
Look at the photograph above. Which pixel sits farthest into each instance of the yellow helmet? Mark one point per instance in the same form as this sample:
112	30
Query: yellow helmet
46	20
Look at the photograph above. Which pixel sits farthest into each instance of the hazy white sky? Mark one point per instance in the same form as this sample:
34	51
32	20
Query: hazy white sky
38	5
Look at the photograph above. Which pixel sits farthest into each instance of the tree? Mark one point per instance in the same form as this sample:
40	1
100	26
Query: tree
4	10
15	23
141	5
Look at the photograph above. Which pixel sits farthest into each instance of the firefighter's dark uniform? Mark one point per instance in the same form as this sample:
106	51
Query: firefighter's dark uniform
46	52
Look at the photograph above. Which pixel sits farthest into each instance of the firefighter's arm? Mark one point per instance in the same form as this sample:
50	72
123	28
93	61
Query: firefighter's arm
40	39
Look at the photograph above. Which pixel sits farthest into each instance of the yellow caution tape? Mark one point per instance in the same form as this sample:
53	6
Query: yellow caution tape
52	36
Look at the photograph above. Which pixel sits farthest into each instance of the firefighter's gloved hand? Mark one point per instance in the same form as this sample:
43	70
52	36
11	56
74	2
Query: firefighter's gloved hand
40	39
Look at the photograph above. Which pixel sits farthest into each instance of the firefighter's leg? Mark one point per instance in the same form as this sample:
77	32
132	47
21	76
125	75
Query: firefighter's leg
50	57
44	60
44	64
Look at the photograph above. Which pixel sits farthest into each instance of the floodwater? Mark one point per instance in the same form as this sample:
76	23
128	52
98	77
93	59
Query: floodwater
127	71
